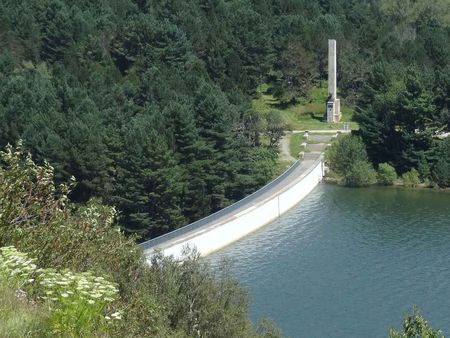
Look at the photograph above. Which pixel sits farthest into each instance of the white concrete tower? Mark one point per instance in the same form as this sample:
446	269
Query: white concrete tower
333	103
332	68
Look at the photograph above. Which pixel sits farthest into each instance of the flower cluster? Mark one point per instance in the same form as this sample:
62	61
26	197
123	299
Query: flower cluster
16	267
77	302
83	286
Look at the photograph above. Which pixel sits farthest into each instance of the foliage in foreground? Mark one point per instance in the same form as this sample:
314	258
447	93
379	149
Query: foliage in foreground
19	318
163	299
78	304
415	326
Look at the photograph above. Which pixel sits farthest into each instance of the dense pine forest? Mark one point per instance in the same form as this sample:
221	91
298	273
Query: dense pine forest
148	103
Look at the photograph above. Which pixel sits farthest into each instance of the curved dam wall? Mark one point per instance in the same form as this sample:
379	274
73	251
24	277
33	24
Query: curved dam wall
245	216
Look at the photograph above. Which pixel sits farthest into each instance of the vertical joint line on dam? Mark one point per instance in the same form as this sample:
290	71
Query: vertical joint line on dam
278	199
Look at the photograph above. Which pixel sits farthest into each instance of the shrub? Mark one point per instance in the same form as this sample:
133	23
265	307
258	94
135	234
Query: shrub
347	157
411	178
18	316
415	326
37	218
16	268
345	151
77	303
360	174
267	329
386	174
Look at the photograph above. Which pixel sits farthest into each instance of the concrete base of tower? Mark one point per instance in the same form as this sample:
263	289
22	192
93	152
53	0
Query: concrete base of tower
333	111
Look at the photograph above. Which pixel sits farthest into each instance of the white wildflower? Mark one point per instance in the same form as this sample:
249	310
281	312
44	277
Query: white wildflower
62	283
117	315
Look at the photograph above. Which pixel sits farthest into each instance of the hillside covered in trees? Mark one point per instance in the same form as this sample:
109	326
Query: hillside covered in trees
148	103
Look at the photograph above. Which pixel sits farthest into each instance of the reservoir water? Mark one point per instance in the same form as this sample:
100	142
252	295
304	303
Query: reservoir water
349	262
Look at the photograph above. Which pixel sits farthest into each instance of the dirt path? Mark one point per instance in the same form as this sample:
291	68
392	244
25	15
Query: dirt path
285	151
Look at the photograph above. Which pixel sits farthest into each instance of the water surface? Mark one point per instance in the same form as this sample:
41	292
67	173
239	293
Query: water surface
350	262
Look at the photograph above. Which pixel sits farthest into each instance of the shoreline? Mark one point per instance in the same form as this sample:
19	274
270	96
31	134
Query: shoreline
396	185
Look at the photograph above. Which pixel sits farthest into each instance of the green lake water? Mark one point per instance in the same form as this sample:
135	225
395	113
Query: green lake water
349	262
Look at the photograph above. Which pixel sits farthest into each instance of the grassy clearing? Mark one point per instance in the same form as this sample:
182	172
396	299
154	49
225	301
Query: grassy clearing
307	114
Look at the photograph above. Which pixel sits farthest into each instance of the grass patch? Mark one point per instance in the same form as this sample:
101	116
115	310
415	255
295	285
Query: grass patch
18	318
294	144
307	114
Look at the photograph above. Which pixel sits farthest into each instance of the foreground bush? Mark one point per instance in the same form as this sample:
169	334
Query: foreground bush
18	317
165	299
347	157
415	326
386	174
76	303
16	268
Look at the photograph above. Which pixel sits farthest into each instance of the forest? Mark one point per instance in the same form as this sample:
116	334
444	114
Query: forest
148	103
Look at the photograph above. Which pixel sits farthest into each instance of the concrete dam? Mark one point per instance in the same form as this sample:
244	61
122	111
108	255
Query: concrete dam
230	224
